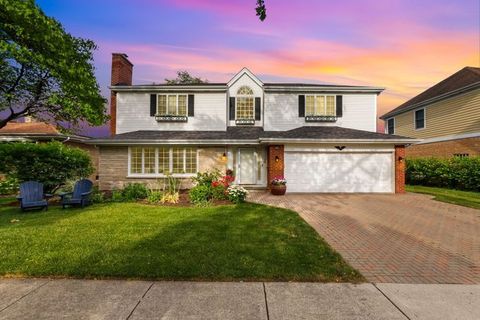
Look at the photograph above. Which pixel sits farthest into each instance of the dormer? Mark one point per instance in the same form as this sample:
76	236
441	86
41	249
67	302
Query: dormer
245	93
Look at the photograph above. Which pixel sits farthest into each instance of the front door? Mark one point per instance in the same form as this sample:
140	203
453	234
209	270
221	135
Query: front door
247	166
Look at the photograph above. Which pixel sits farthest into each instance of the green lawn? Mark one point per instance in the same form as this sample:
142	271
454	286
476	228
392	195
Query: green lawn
131	240
462	198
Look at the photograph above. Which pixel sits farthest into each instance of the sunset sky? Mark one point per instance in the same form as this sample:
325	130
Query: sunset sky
403	45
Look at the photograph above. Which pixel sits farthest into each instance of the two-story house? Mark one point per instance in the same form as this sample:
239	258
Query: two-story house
321	138
446	117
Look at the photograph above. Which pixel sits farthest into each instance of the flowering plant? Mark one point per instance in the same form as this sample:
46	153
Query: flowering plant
237	194
279	181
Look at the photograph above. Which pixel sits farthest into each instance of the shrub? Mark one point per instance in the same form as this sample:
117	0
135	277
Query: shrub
9	186
52	164
200	194
134	191
206	178
219	193
170	198
154	196
117	196
237	194
97	195
456	173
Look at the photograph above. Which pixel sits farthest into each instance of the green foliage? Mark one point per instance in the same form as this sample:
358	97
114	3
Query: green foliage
154	196
200	194
206	178
52	164
455	173
261	10
45	71
219	193
97	196
184	77
9	186
117	196
237	194
134	191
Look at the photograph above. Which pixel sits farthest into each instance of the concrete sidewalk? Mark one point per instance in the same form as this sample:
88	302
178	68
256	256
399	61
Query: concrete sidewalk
111	299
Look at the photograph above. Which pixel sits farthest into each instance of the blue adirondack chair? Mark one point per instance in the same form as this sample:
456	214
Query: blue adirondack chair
79	196
32	196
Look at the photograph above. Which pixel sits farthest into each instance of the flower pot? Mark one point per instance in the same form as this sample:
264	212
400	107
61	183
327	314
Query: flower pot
278	190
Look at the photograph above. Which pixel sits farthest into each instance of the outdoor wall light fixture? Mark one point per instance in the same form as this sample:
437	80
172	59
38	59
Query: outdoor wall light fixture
340	147
400	159
224	156
277	159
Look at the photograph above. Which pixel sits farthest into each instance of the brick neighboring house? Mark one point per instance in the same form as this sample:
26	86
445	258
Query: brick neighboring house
446	117
33	131
321	138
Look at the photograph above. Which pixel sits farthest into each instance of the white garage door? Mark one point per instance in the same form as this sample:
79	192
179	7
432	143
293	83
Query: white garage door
338	172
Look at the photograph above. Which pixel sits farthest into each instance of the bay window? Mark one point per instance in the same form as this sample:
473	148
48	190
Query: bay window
162	161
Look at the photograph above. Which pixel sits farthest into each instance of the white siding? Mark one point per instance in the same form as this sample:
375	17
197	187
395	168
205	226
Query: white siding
133	113
325	169
281	112
246	80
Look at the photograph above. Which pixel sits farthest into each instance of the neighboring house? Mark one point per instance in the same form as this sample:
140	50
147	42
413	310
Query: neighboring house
321	138
446	117
34	131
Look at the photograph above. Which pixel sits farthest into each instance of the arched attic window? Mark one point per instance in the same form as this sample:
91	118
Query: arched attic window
245	103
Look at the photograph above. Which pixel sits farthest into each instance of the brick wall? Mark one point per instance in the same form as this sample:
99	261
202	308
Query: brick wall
122	71
113	167
399	169
275	168
445	149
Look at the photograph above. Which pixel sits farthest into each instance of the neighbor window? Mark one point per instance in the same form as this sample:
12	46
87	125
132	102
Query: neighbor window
391	126
320	105
172	105
245	104
163	160
420	119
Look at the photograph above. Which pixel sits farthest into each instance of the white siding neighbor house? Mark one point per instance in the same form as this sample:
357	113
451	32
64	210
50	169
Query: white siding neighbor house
320	138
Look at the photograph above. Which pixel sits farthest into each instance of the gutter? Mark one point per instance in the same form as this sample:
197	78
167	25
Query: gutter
350	141
156	88
127	142
331	89
444	96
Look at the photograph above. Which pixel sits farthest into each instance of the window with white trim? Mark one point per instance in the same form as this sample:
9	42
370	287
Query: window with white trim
245	104
163	160
320	105
172	105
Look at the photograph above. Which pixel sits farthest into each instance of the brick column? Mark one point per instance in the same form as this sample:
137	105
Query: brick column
399	169
275	165
122	71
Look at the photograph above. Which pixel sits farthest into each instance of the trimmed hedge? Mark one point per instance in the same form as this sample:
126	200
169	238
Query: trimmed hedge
454	173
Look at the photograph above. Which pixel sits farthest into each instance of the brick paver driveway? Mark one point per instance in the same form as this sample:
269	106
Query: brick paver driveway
394	238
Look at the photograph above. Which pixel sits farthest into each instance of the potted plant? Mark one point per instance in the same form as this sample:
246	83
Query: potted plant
278	186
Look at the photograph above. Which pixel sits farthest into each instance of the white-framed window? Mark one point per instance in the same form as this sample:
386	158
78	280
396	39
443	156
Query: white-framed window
159	161
320	105
245	108
419	119
172	104
391	126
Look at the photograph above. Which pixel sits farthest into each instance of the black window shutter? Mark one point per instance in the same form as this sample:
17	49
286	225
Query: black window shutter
301	106
258	102
339	106
153	105
191	104
232	108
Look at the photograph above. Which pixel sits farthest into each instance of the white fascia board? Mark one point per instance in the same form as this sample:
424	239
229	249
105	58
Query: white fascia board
300	89
241	73
450	137
156	88
351	141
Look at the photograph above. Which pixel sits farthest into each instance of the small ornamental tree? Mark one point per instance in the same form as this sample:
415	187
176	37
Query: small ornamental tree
52	164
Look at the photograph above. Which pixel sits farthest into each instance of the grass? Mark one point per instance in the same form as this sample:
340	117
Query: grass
131	240
462	198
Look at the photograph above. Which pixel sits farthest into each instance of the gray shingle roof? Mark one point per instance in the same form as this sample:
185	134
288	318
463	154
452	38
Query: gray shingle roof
252	133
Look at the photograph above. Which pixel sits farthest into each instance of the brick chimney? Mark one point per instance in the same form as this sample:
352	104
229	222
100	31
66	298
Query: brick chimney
122	70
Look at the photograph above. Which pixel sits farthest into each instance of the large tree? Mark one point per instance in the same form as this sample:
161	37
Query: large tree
261	10
45	71
184	77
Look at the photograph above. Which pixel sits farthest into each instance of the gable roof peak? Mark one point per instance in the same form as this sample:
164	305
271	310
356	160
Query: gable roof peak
246	71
